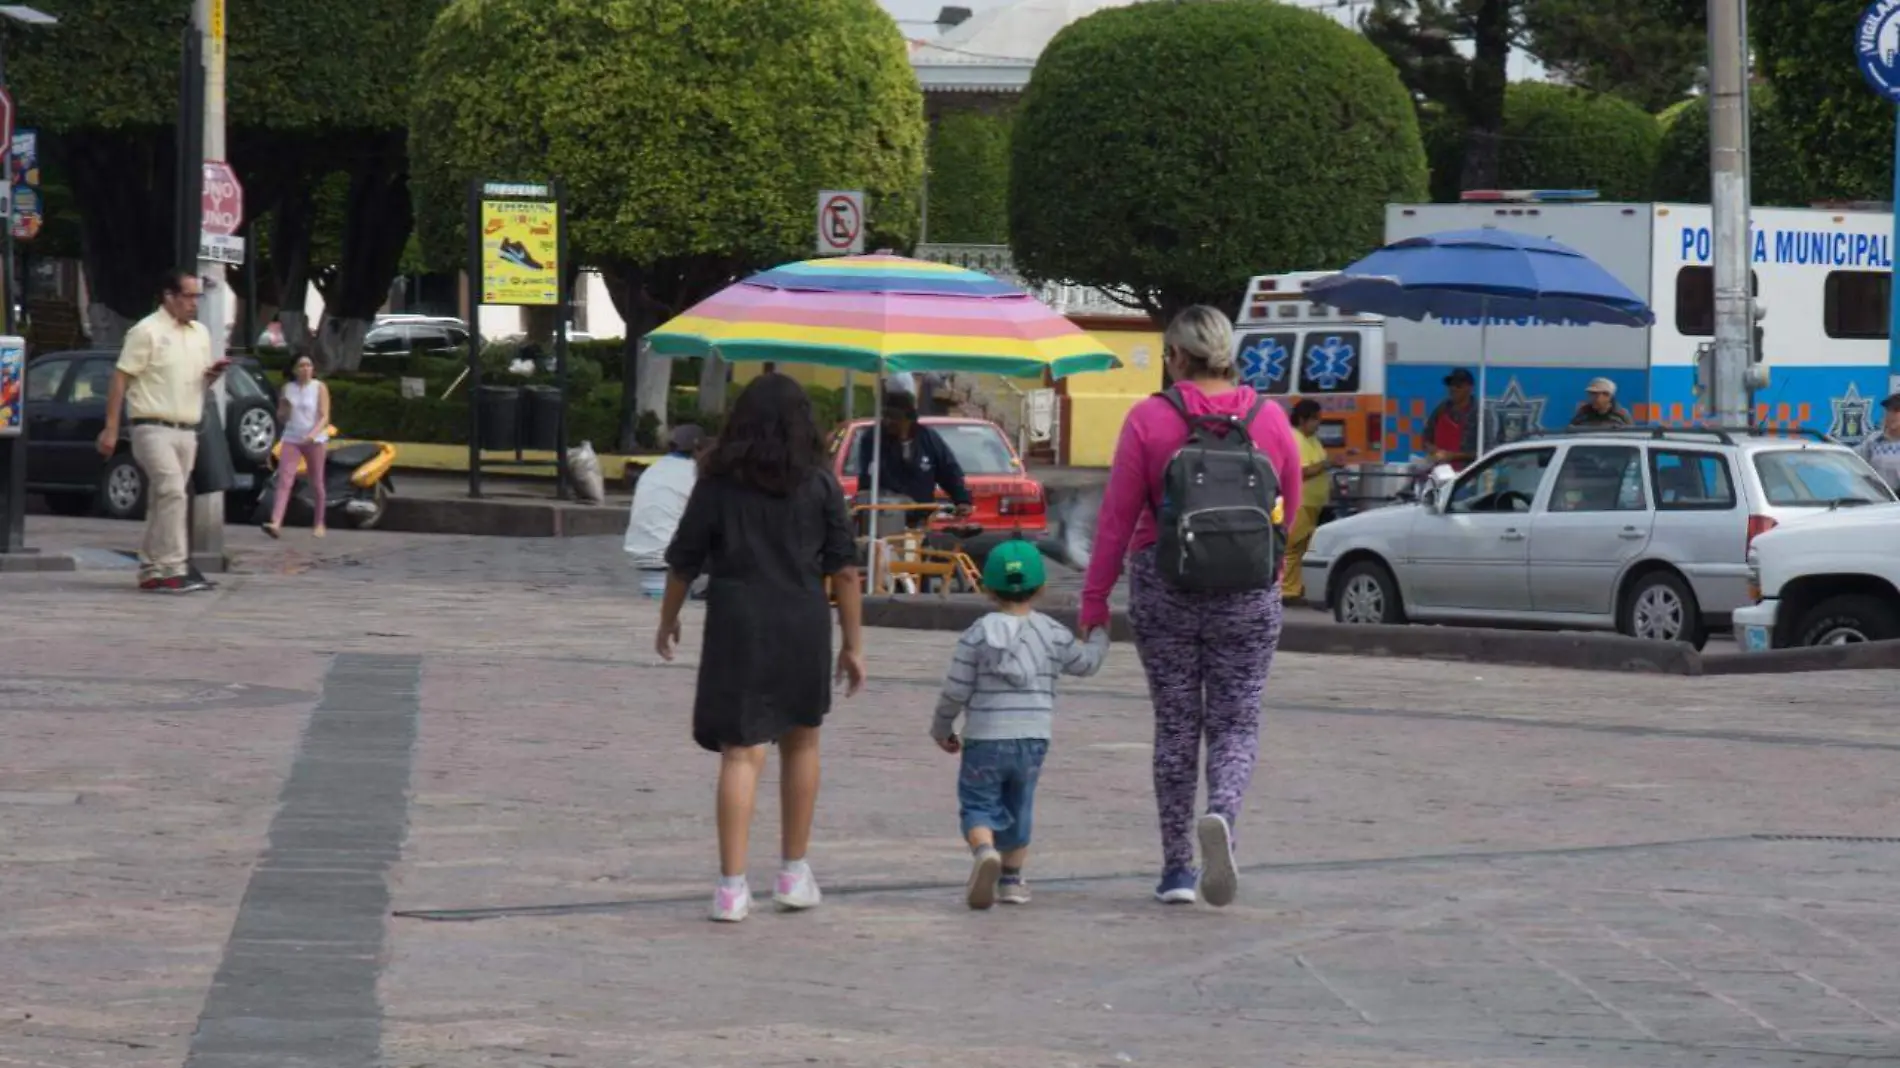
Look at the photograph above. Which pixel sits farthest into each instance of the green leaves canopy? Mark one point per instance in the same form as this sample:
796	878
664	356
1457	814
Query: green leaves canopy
1840	130
680	128
1682	171
969	178
1177	149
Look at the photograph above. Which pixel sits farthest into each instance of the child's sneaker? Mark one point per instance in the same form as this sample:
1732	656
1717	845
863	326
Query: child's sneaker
1220	876
797	889
731	903
1177	886
983	874
1012	890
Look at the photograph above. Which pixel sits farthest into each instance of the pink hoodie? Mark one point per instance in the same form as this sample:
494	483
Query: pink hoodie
1152	435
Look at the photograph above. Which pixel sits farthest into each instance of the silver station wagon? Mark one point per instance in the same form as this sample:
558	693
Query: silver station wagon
1643	530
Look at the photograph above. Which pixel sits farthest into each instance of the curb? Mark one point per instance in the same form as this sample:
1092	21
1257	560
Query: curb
1477	645
34	561
500	517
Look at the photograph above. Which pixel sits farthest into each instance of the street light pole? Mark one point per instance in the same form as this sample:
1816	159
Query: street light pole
207	509
1728	173
13	547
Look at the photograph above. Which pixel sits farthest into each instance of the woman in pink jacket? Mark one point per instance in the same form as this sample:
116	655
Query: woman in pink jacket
1206	654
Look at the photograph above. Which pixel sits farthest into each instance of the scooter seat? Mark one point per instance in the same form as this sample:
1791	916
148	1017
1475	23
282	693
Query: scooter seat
352	456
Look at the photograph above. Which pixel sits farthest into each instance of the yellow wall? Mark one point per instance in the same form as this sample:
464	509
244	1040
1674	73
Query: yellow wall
1099	401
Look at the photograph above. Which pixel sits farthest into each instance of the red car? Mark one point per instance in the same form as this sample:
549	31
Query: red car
1006	500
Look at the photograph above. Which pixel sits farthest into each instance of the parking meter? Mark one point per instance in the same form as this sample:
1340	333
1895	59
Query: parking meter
12	444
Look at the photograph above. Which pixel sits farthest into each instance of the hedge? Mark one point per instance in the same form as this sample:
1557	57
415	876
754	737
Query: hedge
969	178
1555	137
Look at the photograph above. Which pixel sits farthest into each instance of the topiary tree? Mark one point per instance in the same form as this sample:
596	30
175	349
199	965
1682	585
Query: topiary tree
1682	166
969	178
691	136
1840	132
1170	151
1561	138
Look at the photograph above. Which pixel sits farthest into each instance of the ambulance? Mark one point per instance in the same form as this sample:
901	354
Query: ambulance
1822	279
1290	348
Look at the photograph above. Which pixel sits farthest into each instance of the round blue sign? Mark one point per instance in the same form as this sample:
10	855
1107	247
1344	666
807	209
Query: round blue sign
1877	44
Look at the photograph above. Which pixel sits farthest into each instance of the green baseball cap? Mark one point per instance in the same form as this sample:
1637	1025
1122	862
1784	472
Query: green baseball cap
1014	567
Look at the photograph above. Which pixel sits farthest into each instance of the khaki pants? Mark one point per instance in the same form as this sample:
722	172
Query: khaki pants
167	457
1293	586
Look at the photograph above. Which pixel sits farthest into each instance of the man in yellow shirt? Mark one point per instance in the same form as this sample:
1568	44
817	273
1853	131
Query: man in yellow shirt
160	380
1314	494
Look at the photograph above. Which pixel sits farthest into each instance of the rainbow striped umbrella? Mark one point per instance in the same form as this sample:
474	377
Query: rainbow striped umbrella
884	314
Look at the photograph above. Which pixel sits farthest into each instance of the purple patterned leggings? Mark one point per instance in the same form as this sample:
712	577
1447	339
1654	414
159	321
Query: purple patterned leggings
1207	656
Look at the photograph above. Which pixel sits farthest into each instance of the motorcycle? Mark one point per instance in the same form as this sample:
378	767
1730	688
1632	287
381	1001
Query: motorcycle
356	484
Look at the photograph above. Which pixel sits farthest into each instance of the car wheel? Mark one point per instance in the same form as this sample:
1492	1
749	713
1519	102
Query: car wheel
1847	620
252	435
122	488
1368	594
69	504
1660	607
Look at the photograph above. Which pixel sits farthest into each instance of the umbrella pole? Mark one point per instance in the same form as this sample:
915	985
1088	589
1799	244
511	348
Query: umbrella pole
1484	366
877	473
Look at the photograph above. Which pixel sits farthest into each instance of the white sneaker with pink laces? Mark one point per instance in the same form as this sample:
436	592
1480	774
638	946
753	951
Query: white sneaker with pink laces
797	890
731	903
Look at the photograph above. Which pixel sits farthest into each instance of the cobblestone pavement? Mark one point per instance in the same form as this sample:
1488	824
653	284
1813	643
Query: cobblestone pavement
434	797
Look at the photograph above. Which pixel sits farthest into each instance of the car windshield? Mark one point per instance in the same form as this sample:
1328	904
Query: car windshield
980	449
1817	478
243	383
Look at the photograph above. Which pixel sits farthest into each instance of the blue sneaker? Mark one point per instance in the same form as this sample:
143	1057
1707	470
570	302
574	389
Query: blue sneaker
1177	886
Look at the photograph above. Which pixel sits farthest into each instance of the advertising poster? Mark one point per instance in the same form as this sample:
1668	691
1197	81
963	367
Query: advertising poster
520	242
12	386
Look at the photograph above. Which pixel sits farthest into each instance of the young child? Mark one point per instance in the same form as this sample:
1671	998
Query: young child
1003	681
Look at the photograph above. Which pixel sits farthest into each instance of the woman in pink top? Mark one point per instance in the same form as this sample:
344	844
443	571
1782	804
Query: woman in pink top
1206	654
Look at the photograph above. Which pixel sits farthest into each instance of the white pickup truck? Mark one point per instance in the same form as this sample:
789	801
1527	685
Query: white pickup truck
1829	580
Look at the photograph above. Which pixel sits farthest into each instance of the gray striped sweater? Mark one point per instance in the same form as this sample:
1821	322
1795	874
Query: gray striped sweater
1003	676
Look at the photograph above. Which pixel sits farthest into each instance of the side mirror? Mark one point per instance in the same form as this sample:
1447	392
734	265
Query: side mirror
1428	497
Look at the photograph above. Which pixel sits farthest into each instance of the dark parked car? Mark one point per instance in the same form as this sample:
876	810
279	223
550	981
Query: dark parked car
66	409
432	337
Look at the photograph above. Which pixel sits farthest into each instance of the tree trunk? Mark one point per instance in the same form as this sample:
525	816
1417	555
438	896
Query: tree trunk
122	182
712	385
1491	52
290	266
646	379
377	225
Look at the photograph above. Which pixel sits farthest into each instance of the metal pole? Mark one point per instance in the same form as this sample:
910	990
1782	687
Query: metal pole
1728	173
1893	251
563	314
474	276
12	450
207	509
8	165
1484	372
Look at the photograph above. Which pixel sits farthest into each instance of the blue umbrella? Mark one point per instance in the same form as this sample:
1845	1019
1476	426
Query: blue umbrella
1464	274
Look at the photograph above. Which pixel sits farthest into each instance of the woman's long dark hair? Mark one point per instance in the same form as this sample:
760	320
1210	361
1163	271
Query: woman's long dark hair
770	442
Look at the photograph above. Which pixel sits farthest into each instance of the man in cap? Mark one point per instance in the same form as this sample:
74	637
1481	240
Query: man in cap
913	461
659	500
1451	431
1599	407
1882	450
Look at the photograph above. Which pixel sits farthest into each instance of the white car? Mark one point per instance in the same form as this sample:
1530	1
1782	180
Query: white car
1830	580
1642	530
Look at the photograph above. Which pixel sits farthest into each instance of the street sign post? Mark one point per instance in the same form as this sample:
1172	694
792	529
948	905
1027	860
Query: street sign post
840	222
222	216
1877	46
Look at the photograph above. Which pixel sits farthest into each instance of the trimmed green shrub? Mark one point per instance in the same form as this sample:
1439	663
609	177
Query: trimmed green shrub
1561	138
1682	167
969	178
1177	149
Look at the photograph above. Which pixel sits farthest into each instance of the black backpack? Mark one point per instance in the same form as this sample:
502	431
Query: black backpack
1215	516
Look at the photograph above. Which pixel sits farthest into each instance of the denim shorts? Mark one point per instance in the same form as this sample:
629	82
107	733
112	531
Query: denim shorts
996	788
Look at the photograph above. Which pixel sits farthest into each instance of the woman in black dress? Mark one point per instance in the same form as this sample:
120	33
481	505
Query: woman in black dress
766	522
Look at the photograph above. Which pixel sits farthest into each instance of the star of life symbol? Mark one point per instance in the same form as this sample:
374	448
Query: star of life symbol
1852	412
1513	414
1329	363
1263	363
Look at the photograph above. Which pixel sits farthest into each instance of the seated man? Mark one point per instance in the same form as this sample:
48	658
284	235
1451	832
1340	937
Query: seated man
914	461
659	500
1599	408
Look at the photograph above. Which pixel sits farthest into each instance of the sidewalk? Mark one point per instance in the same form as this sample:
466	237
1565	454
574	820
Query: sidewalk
401	812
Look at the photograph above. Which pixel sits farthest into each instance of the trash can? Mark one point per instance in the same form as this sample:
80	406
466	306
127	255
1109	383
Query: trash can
498	417
540	417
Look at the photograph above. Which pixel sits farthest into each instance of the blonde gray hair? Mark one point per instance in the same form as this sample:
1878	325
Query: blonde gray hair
1203	338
